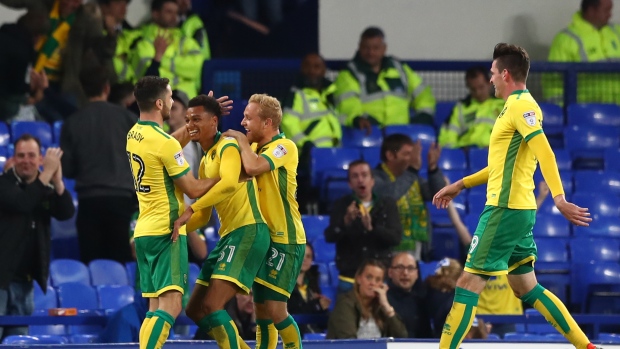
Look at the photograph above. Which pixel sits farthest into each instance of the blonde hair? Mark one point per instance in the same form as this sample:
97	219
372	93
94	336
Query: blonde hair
270	108
446	275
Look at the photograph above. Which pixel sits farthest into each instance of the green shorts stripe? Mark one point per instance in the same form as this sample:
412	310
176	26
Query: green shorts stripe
162	264
279	271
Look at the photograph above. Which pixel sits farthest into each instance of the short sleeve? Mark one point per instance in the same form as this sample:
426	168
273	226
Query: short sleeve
173	159
526	118
280	153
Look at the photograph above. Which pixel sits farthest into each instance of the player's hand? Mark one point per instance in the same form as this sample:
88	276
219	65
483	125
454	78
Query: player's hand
226	104
364	124
573	213
433	156
447	193
416	157
181	222
236	135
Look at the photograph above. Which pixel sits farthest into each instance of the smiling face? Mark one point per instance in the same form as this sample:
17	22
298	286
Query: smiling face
202	126
254	126
361	181
370	278
27	159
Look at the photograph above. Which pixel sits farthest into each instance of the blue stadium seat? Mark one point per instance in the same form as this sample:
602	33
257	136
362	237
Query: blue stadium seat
529	337
493	337
333	274
77	295
4	156
22	340
541	328
68	270
446	243
552	255
453	175
39	129
556	337
565	175
194	272
114	297
475	204
471	222
548	225
353	137
64	229
83	338
130	268
315	336
597	182
324	252
426	134
600	227
427	269
324	277
334	190
453	159
563	159
56	130
326	159
609	338
600	284
45	330
599	204
594	250
478	159
553	114
372	155
548	205
314	226
588	143
612	159
5	135
440	217
593	114
44	301
443	110
107	272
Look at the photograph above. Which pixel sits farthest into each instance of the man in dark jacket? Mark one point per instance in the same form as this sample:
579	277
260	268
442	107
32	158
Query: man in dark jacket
93	140
29	199
362	225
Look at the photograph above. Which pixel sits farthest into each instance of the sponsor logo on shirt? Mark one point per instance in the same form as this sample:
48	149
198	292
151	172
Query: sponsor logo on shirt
179	158
279	151
530	117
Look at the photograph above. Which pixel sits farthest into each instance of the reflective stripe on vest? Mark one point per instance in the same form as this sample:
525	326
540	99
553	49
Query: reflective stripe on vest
307	114
365	97
582	49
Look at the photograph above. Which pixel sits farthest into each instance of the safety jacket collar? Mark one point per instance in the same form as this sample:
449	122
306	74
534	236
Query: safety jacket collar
386	63
302	83
580	25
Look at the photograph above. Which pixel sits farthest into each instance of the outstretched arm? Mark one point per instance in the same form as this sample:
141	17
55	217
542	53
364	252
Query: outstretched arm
252	163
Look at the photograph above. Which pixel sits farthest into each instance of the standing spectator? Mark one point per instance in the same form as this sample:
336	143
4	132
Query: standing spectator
192	26
472	118
365	312
29	199
103	182
398	177
20	85
407	294
122	94
588	38
362	225
379	89
174	55
307	298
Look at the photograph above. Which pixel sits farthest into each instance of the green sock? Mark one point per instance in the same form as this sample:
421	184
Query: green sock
158	329
223	329
459	319
266	334
291	338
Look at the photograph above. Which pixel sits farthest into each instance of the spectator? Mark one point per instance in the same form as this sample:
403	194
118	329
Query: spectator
122	94
20	85
192	26
29	199
379	89
407	294
103	182
588	38
362	225
398	177
164	48
307	298
241	311
441	288
365	312
472	118
118	35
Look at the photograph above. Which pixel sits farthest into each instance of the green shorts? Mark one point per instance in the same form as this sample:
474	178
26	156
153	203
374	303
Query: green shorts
503	242
162	264
277	276
237	257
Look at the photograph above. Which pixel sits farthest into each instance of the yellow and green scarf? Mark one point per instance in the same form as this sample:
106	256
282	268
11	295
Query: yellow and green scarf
50	46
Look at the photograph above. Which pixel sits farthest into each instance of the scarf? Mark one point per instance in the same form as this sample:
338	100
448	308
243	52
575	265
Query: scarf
51	45
413	215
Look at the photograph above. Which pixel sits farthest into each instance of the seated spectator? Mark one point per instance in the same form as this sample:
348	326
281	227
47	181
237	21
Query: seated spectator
307	298
472	118
406	295
241	311
362	225
365	312
441	287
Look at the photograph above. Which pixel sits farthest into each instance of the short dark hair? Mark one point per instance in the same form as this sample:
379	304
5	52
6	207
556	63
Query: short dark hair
355	163
156	5
94	80
372	32
119	91
209	104
587	4
148	90
512	58
27	137
393	143
474	71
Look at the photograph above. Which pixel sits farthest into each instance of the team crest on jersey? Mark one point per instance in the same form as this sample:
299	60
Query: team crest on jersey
213	154
179	158
530	117
280	151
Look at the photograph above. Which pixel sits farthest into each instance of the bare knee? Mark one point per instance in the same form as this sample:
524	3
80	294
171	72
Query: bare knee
471	282
171	302
277	311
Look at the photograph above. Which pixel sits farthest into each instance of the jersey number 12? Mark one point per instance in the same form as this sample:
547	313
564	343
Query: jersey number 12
137	178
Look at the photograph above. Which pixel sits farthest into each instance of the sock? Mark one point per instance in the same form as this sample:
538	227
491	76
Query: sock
459	319
145	324
223	330
157	330
557	315
291	338
266	334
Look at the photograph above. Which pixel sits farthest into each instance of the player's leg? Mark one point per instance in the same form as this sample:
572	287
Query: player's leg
146	286
274	283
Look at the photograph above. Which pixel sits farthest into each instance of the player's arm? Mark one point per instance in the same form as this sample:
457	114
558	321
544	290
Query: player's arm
192	187
449	192
476	179
252	163
230	167
199	219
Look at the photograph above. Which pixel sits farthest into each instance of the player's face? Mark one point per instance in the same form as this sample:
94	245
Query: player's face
368	280
27	159
313	69
254	126
167	104
177	116
361	181
200	124
168	16
479	88
372	50
497	80
403	271
308	259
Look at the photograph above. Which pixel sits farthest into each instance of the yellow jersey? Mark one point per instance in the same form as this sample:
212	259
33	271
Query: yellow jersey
156	159
511	161
497	298
277	191
236	203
